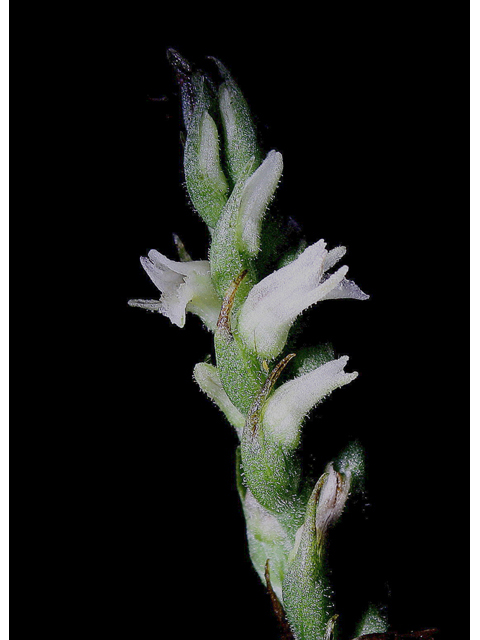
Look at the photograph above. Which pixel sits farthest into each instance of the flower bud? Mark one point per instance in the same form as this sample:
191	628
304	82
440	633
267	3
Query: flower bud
236	237
185	286
240	135
307	594
209	381
306	591
206	183
226	261
274	303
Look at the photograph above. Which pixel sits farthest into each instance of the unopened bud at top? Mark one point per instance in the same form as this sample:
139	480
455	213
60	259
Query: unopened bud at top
206	183
240	135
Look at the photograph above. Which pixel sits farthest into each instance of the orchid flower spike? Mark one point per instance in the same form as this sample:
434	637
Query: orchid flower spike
275	302
185	286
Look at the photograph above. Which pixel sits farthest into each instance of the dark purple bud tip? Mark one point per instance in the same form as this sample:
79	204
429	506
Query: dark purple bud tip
178	62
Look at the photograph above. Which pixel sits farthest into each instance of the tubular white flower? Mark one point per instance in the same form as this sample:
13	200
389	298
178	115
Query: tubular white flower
273	304
256	196
185	286
290	403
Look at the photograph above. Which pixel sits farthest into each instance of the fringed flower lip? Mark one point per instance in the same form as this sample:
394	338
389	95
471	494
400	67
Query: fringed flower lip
274	303
185	286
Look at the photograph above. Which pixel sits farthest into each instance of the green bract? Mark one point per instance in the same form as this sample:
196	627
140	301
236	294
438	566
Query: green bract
260	276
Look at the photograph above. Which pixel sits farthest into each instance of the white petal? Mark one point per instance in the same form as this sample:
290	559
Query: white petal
161	276
173	303
347	289
291	402
161	262
319	293
256	196
333	256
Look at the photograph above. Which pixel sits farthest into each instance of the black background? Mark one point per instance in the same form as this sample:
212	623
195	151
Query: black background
369	110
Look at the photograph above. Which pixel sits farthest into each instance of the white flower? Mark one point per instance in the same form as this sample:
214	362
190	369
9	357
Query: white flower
273	304
290	403
185	286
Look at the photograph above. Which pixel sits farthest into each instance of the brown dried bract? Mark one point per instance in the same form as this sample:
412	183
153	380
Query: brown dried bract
223	323
285	630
